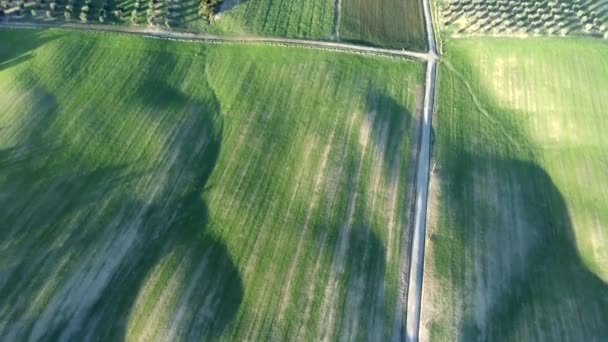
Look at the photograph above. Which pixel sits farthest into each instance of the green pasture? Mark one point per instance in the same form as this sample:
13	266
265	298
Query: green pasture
516	246
154	190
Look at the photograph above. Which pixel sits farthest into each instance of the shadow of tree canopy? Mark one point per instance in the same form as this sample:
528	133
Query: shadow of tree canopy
12	54
530	280
392	122
87	258
227	5
507	242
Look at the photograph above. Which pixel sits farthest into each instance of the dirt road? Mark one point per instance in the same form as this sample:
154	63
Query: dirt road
414	293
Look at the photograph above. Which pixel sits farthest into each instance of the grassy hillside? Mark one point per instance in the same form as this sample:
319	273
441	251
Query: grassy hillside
519	208
159	190
388	23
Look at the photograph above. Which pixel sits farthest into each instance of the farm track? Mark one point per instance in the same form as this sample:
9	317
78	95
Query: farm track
414	280
210	38
414	289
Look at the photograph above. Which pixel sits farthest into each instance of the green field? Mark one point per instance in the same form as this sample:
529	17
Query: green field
286	18
388	23
516	246
161	190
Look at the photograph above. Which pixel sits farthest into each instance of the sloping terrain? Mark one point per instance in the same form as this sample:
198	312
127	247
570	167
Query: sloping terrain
174	191
519	206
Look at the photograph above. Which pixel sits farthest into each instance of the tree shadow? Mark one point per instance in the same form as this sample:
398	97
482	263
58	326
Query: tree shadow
227	5
507	245
390	122
13	53
530	280
81	236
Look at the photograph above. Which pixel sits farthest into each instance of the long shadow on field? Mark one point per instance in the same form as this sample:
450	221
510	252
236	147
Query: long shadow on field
506	240
90	255
390	122
227	5
204	286
12	54
520	249
392	141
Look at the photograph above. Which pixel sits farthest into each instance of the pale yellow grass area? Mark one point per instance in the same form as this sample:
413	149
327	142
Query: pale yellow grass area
565	110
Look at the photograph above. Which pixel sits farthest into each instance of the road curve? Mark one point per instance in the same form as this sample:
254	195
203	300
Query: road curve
203	37
414	292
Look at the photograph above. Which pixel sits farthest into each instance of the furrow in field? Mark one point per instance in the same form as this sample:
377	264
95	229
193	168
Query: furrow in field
87	280
356	293
286	219
185	312
377	314
330	300
315	198
260	123
271	213
312	283
268	299
160	313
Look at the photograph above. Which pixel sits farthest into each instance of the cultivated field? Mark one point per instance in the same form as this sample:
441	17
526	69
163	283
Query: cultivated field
287	18
175	191
524	18
390	23
516	247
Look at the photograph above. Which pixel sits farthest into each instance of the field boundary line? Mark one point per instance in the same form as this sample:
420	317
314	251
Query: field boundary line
337	19
416	271
219	39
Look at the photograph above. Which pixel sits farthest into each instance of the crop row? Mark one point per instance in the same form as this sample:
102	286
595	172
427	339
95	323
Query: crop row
547	17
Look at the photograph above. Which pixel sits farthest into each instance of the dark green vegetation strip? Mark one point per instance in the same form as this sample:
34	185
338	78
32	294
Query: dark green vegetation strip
519	211
389	23
157	190
509	17
283	18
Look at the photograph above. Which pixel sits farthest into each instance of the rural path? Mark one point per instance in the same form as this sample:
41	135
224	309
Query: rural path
203	37
414	294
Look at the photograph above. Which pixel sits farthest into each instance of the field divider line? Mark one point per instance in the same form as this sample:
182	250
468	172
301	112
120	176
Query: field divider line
416	271
156	33
337	18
